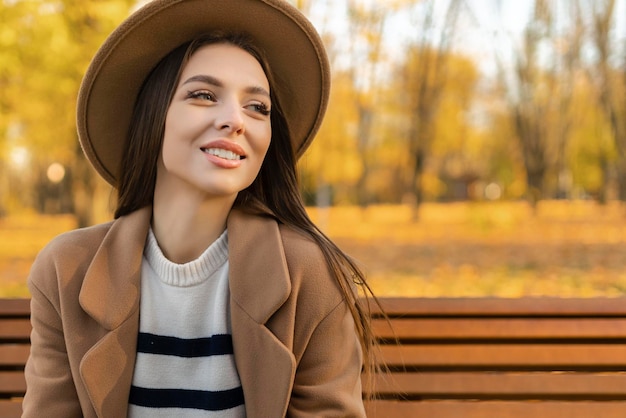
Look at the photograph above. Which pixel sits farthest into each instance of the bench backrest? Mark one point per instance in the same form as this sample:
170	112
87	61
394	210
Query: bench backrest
530	357
487	358
14	347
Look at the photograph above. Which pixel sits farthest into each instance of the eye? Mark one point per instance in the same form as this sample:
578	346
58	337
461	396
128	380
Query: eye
201	95
259	108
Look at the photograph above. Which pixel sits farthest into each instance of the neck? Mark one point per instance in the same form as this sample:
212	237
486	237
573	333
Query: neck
185	226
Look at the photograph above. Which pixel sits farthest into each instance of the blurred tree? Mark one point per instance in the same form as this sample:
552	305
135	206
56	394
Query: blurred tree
333	165
457	144
539	94
388	133
48	45
13	154
424	80
592	154
610	80
329	169
366	21
566	72
505	162
452	149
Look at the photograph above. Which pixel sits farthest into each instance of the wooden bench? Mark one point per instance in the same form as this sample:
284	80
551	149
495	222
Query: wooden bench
487	358
497	358
14	348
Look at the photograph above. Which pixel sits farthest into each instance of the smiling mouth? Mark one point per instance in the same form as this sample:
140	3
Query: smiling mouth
222	153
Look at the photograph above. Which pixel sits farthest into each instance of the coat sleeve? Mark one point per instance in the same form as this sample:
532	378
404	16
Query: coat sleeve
328	377
50	387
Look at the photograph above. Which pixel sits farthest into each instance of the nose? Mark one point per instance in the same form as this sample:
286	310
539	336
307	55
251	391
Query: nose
230	118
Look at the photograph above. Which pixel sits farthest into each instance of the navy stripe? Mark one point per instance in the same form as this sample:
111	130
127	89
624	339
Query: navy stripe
194	347
183	398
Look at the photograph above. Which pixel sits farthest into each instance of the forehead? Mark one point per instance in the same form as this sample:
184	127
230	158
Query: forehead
226	62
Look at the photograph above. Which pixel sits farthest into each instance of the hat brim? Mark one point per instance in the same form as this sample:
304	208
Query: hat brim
107	95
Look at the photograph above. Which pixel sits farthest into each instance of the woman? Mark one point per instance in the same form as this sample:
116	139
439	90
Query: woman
211	293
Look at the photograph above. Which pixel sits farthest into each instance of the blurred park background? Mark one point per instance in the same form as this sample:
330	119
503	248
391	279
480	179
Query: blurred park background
471	147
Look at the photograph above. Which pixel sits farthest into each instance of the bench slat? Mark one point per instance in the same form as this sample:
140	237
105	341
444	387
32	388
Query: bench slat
12	382
559	357
458	329
525	307
538	385
15	307
14	329
10	409
496	409
14	354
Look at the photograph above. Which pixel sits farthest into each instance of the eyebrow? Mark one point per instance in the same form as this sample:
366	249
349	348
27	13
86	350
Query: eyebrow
207	79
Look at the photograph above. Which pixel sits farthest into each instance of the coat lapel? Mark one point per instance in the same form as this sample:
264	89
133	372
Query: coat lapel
110	295
259	286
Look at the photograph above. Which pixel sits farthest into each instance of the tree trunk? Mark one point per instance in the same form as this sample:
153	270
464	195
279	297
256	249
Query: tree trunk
83	181
363	140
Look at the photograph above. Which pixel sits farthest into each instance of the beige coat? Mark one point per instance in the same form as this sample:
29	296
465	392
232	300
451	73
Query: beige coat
296	350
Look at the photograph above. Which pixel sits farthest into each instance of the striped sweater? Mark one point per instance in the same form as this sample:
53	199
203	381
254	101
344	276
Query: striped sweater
185	365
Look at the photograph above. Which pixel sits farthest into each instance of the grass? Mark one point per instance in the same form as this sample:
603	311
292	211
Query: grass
568	249
21	239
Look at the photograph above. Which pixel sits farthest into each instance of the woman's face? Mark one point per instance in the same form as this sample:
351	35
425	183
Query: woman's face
217	128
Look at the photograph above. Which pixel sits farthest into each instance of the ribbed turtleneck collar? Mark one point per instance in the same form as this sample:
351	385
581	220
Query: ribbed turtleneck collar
191	273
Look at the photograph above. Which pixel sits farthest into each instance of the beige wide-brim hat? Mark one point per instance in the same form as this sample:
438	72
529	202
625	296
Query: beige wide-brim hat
107	95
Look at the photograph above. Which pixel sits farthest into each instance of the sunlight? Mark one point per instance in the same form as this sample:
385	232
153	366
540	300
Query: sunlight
19	158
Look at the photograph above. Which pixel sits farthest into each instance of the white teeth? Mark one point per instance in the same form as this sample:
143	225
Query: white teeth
222	153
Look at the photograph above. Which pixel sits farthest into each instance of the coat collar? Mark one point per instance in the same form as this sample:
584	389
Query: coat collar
259	278
259	286
110	291
110	295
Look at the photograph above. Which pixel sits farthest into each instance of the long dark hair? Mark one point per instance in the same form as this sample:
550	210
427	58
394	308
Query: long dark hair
275	190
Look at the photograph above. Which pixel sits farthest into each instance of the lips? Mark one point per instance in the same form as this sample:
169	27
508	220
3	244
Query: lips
222	153
226	150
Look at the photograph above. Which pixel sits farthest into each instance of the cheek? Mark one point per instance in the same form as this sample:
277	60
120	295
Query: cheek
172	147
172	126
167	147
178	134
265	140
167	136
262	145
